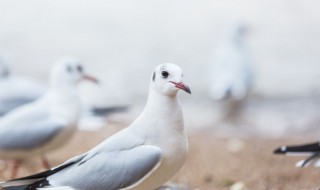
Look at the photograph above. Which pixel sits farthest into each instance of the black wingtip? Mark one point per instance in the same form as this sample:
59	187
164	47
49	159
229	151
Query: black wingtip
281	150
108	110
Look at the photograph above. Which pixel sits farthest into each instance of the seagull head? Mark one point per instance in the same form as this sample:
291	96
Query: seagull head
167	79
70	71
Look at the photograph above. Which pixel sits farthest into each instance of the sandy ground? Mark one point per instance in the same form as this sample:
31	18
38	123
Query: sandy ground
223	151
214	162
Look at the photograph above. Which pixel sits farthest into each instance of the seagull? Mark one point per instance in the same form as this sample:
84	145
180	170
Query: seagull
17	90
231	73
142	156
311	149
231	68
47	123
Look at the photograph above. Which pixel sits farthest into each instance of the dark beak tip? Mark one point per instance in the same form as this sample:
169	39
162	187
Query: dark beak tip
278	151
188	90
96	81
182	86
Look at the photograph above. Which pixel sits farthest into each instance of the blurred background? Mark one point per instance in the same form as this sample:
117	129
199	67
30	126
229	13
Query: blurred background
122	41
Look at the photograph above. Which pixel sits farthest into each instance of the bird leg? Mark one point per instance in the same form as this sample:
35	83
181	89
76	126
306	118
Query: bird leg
45	163
15	167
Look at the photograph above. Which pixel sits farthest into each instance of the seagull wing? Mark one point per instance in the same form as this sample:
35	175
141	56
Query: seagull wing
28	127
28	135
17	91
110	170
119	162
305	149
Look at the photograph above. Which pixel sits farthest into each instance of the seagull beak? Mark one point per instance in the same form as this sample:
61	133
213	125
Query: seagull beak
90	78
182	86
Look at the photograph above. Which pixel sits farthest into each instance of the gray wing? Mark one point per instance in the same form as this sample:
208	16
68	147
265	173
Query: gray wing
28	134
110	170
11	104
17	91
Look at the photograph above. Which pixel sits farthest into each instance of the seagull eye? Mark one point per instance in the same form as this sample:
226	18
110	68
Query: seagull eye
79	68
164	74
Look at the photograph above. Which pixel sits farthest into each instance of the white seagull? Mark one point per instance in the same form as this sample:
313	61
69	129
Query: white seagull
17	90
312	150
47	123
231	72
142	156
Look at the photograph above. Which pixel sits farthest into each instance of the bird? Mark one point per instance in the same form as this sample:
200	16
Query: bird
312	150
16	90
47	123
142	156
230	71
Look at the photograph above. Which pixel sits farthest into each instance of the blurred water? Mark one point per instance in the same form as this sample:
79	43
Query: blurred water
122	41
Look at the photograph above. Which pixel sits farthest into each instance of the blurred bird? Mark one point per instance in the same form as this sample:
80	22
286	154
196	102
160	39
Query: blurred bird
311	149
231	73
143	156
47	123
17	90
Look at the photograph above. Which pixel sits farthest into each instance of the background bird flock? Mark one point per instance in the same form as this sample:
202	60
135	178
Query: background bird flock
252	67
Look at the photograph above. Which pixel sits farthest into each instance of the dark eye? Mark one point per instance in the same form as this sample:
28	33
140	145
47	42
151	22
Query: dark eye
164	74
79	68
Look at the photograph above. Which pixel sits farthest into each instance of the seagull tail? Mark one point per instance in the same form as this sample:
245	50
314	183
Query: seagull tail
103	111
280	150
305	149
27	184
34	181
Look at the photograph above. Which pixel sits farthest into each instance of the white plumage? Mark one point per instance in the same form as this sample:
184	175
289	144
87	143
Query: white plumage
231	73
143	156
47	123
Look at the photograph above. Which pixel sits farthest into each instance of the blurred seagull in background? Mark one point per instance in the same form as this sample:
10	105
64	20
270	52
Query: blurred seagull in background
231	73
231	67
17	90
47	123
142	156
311	149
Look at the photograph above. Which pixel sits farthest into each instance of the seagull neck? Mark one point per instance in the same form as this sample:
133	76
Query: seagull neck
64	88
162	114
65	101
157	101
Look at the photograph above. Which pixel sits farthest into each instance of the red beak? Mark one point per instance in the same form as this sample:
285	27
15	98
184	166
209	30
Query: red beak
90	78
182	86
